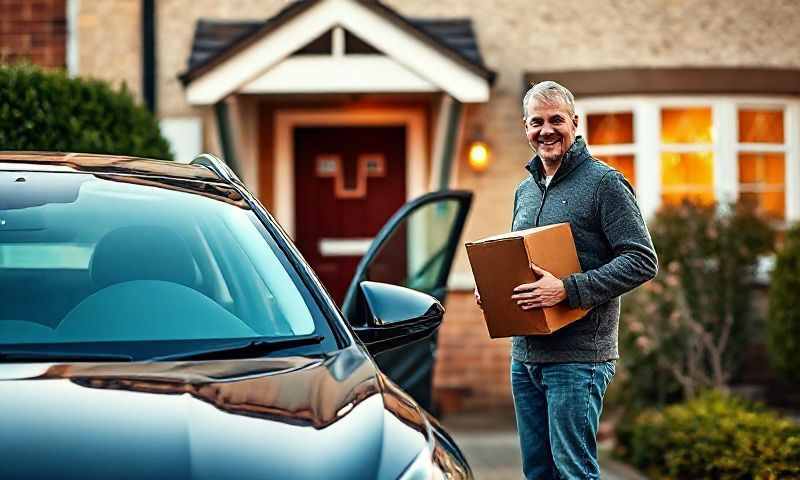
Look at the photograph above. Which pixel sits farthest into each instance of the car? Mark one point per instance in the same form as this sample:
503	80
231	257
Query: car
156	322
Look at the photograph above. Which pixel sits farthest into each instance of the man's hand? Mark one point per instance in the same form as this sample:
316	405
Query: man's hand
545	292
478	298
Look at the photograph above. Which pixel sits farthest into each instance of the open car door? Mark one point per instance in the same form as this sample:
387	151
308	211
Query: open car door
414	249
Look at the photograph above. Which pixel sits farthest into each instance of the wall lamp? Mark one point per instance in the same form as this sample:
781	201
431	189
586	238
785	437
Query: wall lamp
479	155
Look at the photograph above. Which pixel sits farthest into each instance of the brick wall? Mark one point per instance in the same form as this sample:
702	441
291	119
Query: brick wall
110	42
472	370
35	31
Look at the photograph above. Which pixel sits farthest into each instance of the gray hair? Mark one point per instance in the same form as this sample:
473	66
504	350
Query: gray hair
550	93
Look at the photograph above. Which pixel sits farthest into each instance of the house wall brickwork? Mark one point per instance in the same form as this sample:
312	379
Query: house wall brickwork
34	31
515	37
472	371
110	42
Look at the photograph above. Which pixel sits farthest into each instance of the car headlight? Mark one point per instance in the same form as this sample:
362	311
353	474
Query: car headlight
423	468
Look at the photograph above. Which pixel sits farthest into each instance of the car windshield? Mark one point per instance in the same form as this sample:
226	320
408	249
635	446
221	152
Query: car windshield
118	258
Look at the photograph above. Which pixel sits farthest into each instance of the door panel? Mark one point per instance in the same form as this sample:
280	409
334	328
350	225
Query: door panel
348	181
415	249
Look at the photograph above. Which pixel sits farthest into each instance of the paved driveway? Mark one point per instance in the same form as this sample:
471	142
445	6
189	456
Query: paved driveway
490	443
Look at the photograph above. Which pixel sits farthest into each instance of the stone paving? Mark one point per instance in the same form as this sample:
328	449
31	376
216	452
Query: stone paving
491	447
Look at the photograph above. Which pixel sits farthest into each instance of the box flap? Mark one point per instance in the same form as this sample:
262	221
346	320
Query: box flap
516	234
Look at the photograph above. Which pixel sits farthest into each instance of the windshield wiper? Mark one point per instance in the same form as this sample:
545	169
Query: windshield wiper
242	349
11	356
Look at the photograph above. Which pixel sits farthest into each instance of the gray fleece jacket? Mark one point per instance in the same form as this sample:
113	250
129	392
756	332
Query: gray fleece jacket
613	244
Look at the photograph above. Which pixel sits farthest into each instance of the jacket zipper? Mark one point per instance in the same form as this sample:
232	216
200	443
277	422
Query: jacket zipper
541	205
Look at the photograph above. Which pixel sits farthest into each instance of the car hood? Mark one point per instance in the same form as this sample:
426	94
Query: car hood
335	417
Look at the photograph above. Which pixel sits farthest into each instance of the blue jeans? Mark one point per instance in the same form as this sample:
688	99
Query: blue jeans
558	409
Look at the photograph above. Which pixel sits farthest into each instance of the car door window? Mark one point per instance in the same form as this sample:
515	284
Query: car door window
414	254
415	248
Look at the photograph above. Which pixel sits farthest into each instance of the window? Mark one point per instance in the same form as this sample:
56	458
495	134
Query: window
701	148
611	138
762	160
87	258
687	159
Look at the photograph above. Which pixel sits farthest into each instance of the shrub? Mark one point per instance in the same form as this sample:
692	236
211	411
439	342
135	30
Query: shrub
683	331
47	110
715	436
783	325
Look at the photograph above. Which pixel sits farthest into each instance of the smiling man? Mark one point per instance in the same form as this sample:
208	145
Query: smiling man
558	381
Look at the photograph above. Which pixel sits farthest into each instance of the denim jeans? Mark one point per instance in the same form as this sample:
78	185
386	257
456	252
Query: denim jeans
558	409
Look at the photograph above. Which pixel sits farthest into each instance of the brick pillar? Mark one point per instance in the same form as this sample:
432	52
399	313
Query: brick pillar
35	31
472	370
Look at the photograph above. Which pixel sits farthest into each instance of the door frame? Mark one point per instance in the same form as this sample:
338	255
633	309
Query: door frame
285	121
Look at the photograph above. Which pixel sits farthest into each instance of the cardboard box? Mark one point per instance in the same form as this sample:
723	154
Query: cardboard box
501	262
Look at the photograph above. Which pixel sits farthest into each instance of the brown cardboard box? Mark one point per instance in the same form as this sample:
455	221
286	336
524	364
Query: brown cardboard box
501	262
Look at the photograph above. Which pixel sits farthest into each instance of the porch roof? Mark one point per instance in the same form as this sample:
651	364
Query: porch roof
216	41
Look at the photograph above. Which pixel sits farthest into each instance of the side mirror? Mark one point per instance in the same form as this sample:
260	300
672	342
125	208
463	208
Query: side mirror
395	316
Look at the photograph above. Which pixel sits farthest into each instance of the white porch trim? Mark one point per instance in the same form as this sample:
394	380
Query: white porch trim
287	120
403	47
337	74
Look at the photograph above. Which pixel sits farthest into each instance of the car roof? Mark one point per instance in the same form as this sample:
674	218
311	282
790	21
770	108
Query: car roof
99	163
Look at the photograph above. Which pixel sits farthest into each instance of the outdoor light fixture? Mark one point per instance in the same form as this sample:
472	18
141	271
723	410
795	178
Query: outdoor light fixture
479	155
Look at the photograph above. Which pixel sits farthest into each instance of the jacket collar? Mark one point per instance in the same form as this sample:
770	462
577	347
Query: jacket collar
576	154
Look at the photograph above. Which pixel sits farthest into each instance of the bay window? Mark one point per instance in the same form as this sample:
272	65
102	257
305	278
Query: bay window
700	148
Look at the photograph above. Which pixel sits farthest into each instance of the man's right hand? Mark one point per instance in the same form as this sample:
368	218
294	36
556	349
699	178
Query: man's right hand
478	298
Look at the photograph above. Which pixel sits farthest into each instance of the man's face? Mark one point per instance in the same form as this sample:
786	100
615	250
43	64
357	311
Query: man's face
550	129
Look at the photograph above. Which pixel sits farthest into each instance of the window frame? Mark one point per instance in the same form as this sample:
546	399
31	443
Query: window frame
725	147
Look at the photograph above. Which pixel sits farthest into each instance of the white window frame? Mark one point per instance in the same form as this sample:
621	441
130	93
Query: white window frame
647	145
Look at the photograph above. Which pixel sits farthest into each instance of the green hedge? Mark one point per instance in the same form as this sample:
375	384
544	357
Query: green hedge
47	110
783	325
714	436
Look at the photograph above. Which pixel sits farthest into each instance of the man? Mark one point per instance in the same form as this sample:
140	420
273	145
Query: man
558	381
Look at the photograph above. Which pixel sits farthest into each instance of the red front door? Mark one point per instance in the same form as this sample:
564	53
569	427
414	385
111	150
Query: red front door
348	182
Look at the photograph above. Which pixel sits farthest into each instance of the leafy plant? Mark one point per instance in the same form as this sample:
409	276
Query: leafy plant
47	110
783	326
714	436
683	331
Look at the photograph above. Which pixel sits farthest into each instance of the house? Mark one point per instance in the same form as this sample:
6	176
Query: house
379	102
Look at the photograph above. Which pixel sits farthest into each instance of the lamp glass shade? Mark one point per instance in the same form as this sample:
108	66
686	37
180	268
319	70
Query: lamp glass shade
479	155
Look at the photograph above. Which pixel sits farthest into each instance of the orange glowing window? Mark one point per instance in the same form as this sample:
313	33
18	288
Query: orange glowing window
623	163
687	176
761	126
762	180
686	125
609	128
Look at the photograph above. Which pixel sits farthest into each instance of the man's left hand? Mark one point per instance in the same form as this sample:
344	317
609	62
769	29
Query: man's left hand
545	292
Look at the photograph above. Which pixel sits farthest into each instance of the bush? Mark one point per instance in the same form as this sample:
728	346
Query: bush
783	326
47	110
684	331
714	436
